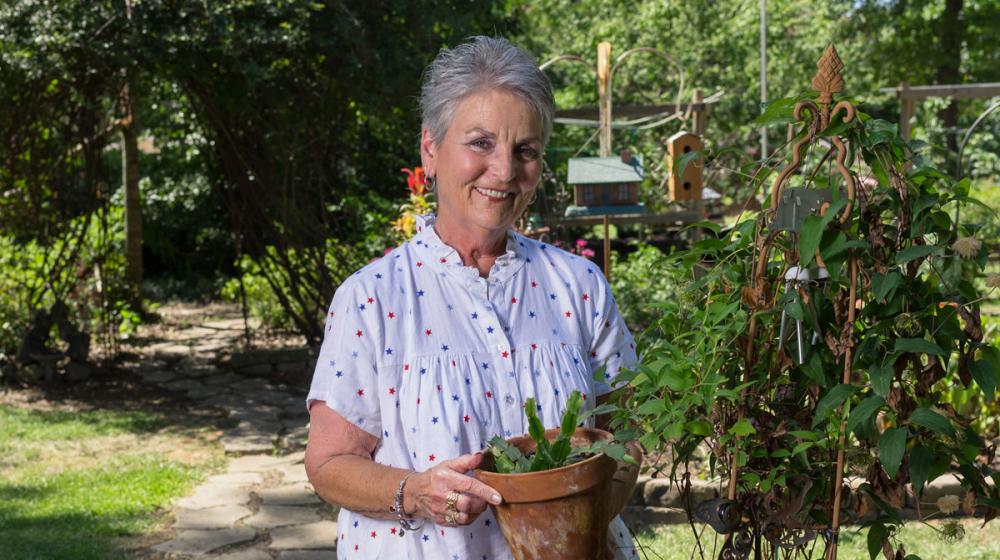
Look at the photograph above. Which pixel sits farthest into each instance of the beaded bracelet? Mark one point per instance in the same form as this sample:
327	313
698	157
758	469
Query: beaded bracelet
397	507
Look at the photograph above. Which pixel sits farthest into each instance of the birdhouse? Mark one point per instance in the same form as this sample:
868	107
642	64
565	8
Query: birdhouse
605	185
688	184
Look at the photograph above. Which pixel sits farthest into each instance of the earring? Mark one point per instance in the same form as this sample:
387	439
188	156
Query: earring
431	184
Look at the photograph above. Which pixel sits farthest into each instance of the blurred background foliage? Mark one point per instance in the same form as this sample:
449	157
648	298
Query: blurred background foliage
272	133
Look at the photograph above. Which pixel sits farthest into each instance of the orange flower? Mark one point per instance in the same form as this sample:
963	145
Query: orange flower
416	180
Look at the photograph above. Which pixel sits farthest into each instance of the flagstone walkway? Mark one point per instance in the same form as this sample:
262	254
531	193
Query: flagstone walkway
262	507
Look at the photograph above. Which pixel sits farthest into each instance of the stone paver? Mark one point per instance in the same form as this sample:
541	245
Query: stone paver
218	517
245	554
236	478
270	516
211	495
294	473
323	554
201	542
289	495
314	535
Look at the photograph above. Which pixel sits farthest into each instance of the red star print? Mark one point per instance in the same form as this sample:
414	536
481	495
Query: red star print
420	263
332	313
586	297
393	530
418	401
431	457
392	315
444	260
371	300
374	534
361	392
534	346
406	367
568	314
513	300
442	532
489	394
427	332
593	354
534	284
453	364
466	417
355	547
505	354
392	390
359	333
439	387
585	396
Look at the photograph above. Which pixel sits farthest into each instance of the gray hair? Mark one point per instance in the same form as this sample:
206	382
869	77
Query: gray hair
482	64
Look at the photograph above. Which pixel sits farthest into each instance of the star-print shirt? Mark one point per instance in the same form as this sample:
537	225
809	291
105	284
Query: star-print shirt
434	360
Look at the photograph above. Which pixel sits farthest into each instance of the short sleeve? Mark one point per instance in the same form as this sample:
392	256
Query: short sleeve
612	346
345	376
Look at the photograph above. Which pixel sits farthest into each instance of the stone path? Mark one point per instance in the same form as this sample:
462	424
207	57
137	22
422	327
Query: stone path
262	507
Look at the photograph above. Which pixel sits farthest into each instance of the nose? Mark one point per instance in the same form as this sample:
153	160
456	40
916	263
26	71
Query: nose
503	166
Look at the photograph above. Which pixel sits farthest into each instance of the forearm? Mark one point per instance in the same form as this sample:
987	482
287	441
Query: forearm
360	485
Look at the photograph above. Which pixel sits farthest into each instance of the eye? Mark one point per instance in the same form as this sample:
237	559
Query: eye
481	144
527	152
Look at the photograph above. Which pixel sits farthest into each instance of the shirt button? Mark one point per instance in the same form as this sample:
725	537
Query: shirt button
509	400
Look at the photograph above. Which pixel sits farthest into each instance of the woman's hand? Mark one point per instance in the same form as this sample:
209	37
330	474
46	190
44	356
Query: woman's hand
429	492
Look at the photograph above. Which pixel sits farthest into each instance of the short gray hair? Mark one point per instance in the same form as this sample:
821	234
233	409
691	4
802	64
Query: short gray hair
482	64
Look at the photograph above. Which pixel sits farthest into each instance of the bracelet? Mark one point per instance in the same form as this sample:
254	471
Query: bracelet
397	507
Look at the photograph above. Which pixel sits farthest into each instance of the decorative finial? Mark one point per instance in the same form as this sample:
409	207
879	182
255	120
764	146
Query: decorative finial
827	80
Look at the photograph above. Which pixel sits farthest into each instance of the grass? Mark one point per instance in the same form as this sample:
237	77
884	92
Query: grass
676	542
80	484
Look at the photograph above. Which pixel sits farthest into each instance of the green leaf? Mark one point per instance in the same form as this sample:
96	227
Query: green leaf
985	374
699	428
864	411
929	419
833	398
813	368
881	378
884	285
809	237
742	428
681	163
916	252
918	345
921	461
891	446
777	111
651	407
876	534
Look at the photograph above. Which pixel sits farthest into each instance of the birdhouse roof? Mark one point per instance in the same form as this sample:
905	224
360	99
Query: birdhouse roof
597	170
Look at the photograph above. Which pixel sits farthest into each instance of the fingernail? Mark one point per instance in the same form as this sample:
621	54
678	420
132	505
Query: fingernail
496	499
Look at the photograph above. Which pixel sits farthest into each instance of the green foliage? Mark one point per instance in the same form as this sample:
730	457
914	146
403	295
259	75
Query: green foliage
508	459
643	282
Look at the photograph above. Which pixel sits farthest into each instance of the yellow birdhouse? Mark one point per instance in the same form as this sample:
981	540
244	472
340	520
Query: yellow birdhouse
688	185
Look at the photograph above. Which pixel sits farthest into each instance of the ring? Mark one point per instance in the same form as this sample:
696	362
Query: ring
451	517
452	501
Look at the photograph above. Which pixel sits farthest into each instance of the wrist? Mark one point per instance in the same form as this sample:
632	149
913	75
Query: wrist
410	492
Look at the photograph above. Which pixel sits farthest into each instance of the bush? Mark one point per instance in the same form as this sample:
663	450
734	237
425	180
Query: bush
643	283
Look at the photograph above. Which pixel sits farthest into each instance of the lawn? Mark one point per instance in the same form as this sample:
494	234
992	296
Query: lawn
676	542
88	484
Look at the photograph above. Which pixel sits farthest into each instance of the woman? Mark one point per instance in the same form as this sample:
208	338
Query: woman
433	349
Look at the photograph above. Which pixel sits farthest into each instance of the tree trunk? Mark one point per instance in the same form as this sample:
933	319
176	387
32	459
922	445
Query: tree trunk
952	31
133	202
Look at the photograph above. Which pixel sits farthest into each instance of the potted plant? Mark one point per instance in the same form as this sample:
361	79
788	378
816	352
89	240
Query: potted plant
826	338
561	486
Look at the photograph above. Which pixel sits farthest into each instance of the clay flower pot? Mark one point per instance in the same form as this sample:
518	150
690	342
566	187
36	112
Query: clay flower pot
560	513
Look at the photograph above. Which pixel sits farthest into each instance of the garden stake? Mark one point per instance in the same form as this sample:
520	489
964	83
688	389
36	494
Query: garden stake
766	519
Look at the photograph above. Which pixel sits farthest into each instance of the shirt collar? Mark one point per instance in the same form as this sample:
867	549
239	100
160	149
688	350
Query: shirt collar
444	257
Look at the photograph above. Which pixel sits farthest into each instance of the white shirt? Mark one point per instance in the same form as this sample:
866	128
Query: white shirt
434	360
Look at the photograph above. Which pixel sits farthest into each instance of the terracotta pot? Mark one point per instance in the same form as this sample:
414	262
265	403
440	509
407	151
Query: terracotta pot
560	513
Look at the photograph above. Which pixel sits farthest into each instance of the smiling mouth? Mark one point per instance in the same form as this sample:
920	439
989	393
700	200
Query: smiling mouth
492	194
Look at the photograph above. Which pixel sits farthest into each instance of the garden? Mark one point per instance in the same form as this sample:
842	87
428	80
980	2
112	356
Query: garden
795	204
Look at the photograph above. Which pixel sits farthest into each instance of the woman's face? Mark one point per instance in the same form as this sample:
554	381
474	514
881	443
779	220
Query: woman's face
488	164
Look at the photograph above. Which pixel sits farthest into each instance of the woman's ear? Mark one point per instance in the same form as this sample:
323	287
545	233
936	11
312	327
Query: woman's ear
428	151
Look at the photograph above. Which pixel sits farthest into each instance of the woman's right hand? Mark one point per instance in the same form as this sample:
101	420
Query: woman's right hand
428	491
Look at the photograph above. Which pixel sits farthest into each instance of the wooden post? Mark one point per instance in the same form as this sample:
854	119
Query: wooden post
604	115
698	123
607	248
604	95
907	108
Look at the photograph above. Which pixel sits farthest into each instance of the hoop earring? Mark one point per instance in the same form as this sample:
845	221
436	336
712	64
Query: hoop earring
431	184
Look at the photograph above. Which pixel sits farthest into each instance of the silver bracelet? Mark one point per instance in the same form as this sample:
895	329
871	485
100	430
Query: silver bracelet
397	507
